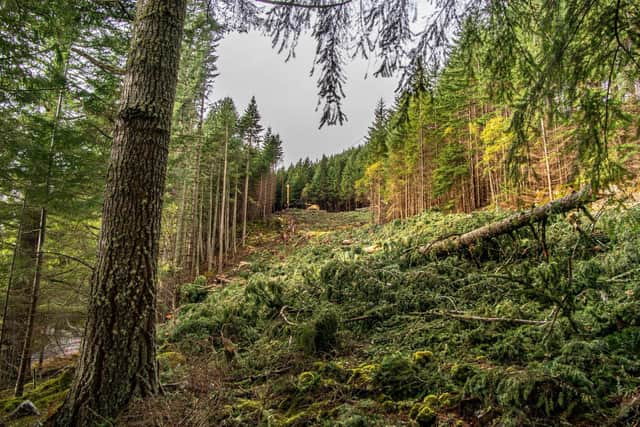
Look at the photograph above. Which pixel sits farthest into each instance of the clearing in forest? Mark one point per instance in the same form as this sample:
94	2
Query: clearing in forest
330	320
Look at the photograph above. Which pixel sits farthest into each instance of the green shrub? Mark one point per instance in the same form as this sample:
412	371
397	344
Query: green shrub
319	335
194	292
397	377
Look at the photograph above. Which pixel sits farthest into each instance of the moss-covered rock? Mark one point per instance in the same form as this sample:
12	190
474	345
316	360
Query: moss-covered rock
47	396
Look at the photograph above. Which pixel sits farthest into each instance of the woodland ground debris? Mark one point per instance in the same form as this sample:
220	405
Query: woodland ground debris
501	335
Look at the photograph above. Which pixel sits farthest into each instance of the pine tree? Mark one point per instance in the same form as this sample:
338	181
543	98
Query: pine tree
251	130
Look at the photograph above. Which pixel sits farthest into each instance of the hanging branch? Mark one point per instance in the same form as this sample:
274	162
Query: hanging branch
72	258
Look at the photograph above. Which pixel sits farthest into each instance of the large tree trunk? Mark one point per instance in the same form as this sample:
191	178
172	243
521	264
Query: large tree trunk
118	355
509	224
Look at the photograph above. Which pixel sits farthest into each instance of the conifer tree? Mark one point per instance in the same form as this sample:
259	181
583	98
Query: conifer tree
251	130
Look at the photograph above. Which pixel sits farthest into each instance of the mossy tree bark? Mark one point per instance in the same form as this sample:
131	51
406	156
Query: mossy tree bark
118	352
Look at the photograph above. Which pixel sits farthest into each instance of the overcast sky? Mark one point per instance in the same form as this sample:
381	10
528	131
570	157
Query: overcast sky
287	95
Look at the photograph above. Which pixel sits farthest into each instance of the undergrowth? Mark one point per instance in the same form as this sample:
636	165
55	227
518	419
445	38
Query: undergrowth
356	327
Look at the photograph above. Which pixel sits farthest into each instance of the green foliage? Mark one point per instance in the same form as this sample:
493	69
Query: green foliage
195	292
397	377
451	167
381	319
319	334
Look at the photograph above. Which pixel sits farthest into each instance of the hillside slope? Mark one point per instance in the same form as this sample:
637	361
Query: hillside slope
332	321
347	324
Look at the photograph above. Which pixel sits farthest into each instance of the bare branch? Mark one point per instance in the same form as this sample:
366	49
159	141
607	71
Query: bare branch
313	5
98	63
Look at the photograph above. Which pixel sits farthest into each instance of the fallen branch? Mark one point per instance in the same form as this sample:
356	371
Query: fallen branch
284	316
462	316
507	225
360	318
455	315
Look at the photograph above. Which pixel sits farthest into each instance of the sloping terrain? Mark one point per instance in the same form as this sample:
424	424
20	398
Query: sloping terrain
343	323
332	321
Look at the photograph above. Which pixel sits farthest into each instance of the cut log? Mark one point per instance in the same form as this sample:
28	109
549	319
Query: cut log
455	243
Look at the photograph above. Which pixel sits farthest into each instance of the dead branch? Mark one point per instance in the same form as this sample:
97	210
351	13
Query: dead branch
507	225
462	316
283	314
113	69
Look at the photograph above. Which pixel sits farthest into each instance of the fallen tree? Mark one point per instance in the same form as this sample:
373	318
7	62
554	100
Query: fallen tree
456	243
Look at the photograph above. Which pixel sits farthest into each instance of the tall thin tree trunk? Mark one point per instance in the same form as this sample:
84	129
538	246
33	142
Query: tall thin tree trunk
25	359
199	232
15	318
9	336
266	194
221	245
379	220
227	216
118	357
216	203
245	200
177	260
260	194
546	157
421	204
235	218
197	200
210	221
10	278
195	232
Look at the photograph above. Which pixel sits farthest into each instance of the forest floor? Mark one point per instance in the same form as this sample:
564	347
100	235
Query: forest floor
329	320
